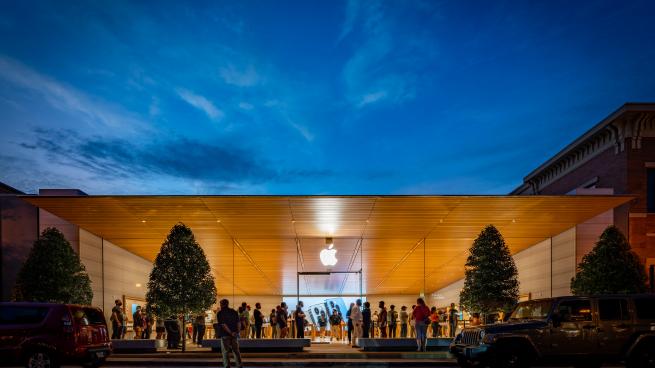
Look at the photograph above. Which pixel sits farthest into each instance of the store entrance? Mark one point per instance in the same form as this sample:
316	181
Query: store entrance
325	308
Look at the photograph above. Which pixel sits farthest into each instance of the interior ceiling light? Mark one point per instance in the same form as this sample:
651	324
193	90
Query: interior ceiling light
329	254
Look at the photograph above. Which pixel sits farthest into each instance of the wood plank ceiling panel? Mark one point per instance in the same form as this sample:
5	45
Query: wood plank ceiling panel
263	232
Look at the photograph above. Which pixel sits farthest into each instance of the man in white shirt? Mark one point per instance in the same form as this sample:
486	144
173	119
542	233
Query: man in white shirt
357	318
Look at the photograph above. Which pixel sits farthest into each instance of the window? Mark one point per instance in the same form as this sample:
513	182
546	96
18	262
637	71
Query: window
532	310
613	310
14	315
95	316
650	189
645	308
575	310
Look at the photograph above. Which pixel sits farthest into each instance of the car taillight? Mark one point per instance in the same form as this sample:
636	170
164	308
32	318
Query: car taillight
67	324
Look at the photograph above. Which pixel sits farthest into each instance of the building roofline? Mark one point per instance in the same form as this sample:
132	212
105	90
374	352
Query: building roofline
627	107
5	188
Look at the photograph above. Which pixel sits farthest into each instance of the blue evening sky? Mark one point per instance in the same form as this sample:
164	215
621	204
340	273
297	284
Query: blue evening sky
309	97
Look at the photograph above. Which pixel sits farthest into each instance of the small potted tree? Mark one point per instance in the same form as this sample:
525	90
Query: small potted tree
491	279
53	273
610	268
181	281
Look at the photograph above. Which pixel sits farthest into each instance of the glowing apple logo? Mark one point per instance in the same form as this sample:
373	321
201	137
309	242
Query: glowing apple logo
329	255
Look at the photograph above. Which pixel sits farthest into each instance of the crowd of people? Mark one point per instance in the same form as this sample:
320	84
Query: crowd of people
360	320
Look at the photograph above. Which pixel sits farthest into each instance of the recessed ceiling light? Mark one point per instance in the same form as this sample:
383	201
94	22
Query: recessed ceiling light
138	285
218	220
143	221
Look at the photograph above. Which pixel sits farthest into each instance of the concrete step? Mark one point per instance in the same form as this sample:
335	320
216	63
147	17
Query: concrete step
281	362
354	355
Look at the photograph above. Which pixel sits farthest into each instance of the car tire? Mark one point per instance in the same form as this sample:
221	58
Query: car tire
463	362
40	358
589	363
512	358
643	357
94	364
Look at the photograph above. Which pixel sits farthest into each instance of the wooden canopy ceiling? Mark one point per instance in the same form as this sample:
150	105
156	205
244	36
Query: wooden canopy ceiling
381	234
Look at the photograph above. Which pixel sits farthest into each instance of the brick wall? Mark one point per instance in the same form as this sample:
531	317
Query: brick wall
609	167
625	173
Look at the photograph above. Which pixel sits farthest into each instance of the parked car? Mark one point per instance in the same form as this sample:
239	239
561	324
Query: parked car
47	335
583	331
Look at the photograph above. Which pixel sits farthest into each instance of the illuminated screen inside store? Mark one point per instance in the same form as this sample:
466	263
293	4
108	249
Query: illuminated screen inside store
315	305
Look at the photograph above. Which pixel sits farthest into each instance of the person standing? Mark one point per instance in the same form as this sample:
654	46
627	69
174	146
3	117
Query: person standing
392	317
453	315
137	322
374	324
200	327
382	320
322	324
366	320
159	328
357	318
259	320
227	328
404	319
421	315
350	322
299	318
434	322
273	321
172	326
412	322
194	329
244	317
281	317
335	325
117	320
148	320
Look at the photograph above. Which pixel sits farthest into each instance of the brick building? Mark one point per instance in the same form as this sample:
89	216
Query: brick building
616	156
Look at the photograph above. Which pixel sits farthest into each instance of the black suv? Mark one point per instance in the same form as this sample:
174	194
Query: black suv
584	331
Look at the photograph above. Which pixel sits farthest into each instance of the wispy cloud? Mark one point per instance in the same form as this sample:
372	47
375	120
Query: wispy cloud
372	97
68	99
217	167
245	106
383	66
352	10
241	77
180	157
201	103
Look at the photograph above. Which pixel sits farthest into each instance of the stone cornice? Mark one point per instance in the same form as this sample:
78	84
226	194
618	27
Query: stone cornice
627	125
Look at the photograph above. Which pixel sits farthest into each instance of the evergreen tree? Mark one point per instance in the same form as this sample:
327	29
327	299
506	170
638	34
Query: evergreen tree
53	273
610	268
181	281
491	279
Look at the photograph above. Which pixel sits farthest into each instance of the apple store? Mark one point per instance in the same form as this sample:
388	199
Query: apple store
321	249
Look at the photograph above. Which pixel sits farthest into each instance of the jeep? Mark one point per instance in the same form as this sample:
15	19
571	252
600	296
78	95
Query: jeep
583	331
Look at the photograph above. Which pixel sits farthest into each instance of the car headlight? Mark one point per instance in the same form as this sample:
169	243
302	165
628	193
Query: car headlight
487	338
